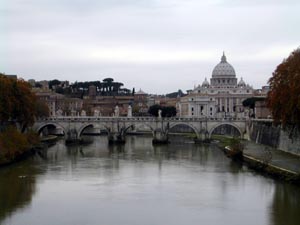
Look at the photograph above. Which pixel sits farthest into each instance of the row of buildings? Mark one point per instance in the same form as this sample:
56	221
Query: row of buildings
99	105
220	96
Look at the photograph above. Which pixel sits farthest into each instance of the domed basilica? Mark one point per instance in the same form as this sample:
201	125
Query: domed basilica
222	97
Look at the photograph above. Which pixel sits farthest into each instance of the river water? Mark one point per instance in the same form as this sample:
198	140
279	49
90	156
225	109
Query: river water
136	184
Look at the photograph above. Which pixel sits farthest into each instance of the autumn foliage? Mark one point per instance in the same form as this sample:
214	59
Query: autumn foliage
17	103
18	109
284	95
13	143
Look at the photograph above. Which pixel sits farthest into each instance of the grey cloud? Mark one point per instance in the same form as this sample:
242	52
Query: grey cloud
44	37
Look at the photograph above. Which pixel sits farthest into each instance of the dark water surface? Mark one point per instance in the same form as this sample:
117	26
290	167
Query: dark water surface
137	184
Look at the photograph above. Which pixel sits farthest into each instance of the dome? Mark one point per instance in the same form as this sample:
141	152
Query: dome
205	83
241	83
223	68
140	92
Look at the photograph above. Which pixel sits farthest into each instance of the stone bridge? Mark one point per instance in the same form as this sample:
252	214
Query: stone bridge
117	127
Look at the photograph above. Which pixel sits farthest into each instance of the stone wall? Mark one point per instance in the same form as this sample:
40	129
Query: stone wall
264	132
289	144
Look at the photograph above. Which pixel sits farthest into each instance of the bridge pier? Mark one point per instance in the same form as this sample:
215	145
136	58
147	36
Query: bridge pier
117	133
160	137
116	138
202	137
72	136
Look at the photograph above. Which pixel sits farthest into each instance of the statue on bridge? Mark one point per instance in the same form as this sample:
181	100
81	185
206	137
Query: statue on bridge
117	111
129	111
97	113
159	113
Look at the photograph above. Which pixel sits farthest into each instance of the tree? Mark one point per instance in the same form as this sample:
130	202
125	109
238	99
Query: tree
166	111
17	102
153	110
283	98
41	109
54	83
250	102
108	84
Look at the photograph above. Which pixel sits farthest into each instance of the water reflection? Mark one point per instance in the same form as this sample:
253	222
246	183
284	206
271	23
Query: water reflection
17	187
286	205
180	183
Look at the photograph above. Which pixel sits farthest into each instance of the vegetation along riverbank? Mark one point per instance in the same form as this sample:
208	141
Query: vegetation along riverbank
19	108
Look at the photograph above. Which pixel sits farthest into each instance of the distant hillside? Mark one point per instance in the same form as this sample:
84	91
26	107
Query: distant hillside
176	94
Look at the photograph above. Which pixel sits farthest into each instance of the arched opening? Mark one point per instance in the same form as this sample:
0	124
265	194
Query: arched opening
86	133
89	129
183	128
139	128
226	129
51	129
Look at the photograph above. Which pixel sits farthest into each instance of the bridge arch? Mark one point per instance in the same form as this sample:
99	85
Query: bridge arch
137	125
226	123
83	127
172	125
56	125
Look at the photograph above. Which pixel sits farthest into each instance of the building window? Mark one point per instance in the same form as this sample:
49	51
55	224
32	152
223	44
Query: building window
192	109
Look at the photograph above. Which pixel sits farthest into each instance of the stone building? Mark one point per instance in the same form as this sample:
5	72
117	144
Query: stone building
58	104
261	111
140	107
221	97
105	105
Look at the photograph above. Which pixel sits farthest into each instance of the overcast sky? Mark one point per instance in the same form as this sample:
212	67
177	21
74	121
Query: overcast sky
157	45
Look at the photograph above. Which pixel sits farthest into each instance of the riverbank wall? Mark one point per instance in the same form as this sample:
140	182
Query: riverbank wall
264	132
256	161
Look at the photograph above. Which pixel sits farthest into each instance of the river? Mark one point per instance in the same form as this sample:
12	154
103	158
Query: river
140	184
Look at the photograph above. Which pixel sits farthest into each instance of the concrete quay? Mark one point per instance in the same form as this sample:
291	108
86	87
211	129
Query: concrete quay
277	163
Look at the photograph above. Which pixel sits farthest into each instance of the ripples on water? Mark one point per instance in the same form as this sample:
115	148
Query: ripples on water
181	183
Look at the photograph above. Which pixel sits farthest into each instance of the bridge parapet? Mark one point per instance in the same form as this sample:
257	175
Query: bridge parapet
150	119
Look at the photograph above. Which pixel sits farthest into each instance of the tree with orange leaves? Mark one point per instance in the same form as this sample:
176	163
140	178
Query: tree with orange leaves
18	104
284	96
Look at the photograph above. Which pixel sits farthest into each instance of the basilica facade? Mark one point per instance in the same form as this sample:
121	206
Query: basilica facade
222	97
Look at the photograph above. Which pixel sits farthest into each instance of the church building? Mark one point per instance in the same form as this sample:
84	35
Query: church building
222	97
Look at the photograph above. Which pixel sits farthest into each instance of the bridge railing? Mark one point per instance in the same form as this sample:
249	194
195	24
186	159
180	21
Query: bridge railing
131	119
